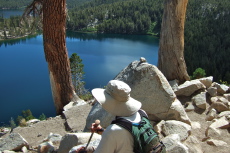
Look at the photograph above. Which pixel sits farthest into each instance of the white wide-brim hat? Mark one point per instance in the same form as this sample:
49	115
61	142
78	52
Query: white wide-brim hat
116	99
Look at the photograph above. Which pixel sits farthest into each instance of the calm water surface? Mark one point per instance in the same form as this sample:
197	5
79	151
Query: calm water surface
8	13
24	79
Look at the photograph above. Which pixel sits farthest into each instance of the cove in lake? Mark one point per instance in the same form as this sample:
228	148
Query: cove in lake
24	80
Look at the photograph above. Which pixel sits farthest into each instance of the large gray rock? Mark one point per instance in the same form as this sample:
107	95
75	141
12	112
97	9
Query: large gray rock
92	144
211	115
223	100
200	100
193	144
13	142
177	127
214	130
68	141
97	112
219	106
149	86
177	112
84	137
207	81
189	87
212	91
221	88
225	113
173	144
73	139
74	114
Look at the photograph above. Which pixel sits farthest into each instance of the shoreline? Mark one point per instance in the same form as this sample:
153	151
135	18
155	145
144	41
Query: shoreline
18	37
29	35
95	32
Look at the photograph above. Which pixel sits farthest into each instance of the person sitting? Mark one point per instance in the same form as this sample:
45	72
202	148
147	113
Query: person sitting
115	99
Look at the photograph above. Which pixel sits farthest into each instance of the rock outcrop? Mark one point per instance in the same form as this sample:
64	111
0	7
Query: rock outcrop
152	89
13	142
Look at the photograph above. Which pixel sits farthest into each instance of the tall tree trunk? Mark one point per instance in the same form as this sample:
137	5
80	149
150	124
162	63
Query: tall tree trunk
54	24
171	52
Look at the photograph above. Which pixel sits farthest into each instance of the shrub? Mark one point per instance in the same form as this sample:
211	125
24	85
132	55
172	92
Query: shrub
27	115
42	117
86	96
22	123
198	73
224	82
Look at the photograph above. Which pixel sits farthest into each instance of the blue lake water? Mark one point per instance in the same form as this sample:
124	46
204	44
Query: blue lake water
24	79
7	13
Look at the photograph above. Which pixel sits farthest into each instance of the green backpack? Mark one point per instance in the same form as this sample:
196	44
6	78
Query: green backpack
146	140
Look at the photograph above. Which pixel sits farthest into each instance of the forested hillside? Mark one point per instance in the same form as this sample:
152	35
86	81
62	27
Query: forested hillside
15	27
17	4
207	37
121	16
13	4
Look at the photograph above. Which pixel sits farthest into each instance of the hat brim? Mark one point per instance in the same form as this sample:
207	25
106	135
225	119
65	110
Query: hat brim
115	107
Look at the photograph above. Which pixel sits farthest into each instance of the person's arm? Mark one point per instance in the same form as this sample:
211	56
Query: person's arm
107	143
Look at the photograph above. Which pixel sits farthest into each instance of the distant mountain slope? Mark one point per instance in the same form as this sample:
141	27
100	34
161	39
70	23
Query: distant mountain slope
17	4
13	4
117	16
207	38
75	3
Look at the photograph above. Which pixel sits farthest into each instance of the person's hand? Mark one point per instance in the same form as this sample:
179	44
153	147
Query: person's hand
81	150
96	127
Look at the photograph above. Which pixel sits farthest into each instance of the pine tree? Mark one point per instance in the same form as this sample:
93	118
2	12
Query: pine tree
12	124
27	115
77	72
42	117
54	32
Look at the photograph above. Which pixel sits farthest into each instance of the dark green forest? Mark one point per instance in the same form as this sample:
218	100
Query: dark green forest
15	27
20	4
13	4
122	16
207	38
207	30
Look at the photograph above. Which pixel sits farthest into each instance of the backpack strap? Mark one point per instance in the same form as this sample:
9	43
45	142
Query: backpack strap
142	113
128	124
123	123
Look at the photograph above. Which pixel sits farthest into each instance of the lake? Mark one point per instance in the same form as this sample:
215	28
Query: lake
24	79
7	13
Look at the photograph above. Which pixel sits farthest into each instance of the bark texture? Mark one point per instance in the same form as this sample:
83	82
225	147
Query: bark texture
171	51
54	24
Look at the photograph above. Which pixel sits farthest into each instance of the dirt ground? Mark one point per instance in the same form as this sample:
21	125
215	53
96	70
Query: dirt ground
200	134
